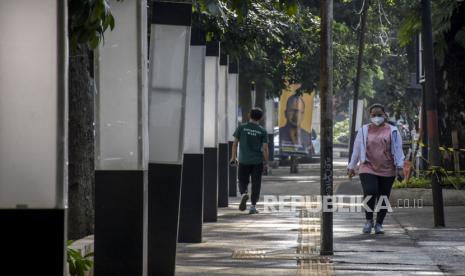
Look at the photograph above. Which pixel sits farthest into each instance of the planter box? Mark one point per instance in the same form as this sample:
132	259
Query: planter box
451	197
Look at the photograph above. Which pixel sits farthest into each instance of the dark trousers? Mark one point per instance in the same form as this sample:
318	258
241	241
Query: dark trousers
245	173
376	186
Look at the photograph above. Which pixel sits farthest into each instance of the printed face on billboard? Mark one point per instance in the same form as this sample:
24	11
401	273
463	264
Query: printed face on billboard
295	122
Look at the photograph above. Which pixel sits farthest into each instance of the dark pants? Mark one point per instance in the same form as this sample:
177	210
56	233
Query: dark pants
376	186
247	171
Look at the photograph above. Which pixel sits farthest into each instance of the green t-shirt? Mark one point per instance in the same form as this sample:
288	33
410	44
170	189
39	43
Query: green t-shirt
251	138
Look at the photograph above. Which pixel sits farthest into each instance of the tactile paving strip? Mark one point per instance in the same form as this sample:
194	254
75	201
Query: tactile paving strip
309	245
307	255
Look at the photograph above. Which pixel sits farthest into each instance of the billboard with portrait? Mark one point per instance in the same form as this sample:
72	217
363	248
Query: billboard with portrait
295	122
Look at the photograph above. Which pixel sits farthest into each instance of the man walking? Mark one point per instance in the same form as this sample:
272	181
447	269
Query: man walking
253	155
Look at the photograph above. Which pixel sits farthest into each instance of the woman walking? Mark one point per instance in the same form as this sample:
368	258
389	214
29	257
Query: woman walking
378	148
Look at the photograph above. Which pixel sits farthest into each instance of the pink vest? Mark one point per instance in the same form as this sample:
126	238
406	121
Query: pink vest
379	155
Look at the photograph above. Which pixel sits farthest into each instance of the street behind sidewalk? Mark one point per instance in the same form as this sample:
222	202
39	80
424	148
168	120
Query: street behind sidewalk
287	243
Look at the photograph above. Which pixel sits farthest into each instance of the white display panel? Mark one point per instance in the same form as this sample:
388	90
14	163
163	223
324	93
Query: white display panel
193	128
121	99
269	115
211	102
168	72
253	96
170	56
222	102
233	84
33	104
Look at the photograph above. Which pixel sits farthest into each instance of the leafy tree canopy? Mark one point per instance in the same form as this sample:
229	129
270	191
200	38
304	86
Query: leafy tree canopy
442	11
88	20
276	46
277	41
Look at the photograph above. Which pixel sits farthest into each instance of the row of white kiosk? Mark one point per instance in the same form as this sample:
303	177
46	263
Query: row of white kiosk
164	117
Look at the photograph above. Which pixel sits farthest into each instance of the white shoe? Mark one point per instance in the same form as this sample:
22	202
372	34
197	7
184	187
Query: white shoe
368	226
253	210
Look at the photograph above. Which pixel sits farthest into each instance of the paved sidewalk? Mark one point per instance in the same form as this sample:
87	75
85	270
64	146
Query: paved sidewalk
393	253
249	238
445	246
287	243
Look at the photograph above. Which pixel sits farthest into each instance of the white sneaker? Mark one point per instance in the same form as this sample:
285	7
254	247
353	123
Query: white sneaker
253	210
368	226
379	229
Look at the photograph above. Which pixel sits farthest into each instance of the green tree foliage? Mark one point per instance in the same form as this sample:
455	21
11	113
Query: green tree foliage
442	12
88	20
260	34
449	49
386	69
277	45
341	131
78	264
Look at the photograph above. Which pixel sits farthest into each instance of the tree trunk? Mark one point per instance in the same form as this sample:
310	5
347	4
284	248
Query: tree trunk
261	96
81	144
358	78
326	113
431	111
245	99
260	100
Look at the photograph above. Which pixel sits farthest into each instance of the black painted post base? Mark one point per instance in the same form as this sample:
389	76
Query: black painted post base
164	191
223	178
232	175
33	241
191	213
210	185
119	222
294	167
270	147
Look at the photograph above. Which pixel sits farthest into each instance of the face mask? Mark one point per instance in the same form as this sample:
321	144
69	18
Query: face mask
377	120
